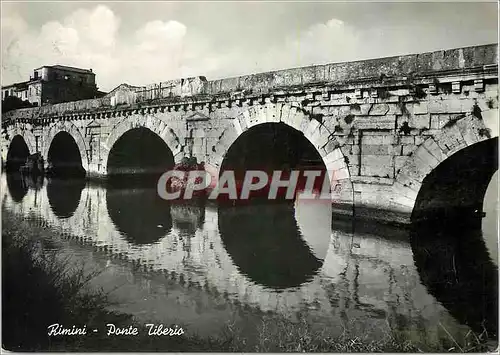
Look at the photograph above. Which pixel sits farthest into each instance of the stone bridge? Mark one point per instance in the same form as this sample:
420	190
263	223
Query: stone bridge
397	132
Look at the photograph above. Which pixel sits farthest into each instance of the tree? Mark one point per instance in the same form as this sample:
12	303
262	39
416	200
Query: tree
13	103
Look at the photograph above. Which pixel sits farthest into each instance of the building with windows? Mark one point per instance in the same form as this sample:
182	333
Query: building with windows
54	84
19	90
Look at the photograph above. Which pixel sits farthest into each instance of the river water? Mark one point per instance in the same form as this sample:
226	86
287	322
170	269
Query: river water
203	265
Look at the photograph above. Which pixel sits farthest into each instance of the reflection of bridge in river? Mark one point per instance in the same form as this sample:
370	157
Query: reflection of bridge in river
360	276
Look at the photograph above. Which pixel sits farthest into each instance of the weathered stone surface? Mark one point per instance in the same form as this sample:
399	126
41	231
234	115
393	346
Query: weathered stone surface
419	121
408	149
360	110
334	106
420	108
419	140
377	165
471	130
407	140
334	155
408	182
450	140
424	156
290	77
377	137
381	122
491	121
399	161
433	148
377	149
379	109
403	194
329	146
123	95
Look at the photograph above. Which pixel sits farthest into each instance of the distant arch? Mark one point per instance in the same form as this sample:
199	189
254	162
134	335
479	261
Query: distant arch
17	130
17	153
27	135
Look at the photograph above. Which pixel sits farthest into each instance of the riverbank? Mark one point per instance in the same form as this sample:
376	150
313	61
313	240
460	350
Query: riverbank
40	290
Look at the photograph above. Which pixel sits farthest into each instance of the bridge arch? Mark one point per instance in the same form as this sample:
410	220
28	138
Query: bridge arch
62	128
293	116
17	152
456	138
448	176
149	123
11	133
24	132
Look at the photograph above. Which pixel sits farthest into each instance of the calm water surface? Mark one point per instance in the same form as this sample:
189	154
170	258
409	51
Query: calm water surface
203	265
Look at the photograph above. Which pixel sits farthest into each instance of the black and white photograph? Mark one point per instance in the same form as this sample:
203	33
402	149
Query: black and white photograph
249	176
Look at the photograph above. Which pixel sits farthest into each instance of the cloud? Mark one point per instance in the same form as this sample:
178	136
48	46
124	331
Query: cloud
11	28
321	43
89	39
98	27
163	50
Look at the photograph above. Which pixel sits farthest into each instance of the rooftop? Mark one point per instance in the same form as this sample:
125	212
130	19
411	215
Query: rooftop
23	85
64	67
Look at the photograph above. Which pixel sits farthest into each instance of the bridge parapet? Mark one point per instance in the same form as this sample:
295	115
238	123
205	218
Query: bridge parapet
366	72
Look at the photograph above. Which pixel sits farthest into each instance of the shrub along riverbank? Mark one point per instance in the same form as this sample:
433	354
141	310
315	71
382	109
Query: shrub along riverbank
40	290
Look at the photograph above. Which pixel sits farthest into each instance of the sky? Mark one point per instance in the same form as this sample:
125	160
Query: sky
141	43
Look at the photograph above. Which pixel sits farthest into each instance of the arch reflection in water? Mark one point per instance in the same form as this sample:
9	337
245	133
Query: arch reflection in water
314	220
188	217
265	243
454	265
33	182
490	220
16	186
449	250
64	196
136	210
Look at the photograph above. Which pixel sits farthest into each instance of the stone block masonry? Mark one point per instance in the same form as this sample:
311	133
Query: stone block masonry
381	124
